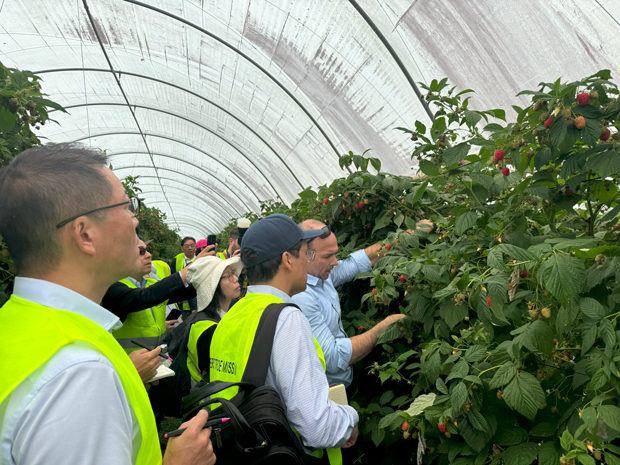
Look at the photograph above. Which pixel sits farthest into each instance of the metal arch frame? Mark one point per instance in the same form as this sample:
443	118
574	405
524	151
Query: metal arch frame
142	76
240	53
91	20
183	161
105	134
394	56
185	143
217	214
174	193
147	107
243	202
194	178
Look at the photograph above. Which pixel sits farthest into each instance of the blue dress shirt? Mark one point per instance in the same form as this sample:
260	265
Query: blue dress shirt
321	306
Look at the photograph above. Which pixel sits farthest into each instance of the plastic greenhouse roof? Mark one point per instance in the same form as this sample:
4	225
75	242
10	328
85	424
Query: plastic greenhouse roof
219	104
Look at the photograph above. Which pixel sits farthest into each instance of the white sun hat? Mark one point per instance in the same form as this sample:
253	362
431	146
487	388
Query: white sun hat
205	274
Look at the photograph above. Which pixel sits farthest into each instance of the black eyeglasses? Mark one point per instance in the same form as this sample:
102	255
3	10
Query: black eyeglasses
324	235
134	206
143	251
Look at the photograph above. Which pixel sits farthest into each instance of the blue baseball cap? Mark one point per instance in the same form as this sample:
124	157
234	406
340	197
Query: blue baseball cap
273	235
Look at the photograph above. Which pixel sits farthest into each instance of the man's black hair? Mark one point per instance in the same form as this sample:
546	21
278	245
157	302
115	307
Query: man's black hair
187	238
264	272
42	187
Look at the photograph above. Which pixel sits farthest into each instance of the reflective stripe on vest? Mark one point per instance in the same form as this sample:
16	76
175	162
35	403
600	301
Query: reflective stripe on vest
44	331
150	322
228	361
192	347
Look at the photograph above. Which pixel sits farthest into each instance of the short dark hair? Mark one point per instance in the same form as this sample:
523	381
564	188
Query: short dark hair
42	187
187	238
264	272
234	233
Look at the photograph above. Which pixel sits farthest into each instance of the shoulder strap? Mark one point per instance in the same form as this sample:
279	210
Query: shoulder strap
260	354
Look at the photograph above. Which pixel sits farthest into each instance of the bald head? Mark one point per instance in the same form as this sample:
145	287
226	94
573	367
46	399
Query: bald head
307	225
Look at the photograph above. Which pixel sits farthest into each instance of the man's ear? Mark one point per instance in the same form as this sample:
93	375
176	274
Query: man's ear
287	261
84	234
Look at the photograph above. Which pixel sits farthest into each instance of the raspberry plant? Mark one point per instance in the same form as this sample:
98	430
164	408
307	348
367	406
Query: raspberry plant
511	353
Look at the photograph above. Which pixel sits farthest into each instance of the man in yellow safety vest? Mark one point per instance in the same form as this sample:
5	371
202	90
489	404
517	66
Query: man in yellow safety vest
274	253
69	393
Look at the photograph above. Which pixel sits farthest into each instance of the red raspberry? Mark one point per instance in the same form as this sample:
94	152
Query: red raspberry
499	155
605	135
361	204
505	171
361	328
489	301
555	342
568	192
441	427
325	201
374	291
549	122
404	426
388	247
523	274
583	98
403	279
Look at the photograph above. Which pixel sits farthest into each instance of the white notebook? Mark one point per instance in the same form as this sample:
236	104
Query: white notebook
338	394
162	372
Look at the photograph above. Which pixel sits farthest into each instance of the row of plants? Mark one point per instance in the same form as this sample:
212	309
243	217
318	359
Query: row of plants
512	301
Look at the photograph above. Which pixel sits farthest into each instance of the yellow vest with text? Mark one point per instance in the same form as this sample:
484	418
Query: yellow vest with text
145	323
232	343
192	347
179	264
31	334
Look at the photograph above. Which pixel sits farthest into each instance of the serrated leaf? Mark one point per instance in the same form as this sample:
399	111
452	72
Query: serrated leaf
549	454
604	164
566	317
536	336
610	414
475	353
460	370
477	420
522	454
589	338
524	394
441	386
611	459
456	154
458	395
377	435
592	309
588	415
465	221
386	397
543	430
420	404
503	375
562	275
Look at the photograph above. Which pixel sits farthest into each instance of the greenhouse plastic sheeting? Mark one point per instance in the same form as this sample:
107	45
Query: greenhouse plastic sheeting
217	105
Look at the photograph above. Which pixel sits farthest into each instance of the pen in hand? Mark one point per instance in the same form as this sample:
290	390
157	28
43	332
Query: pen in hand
209	424
139	344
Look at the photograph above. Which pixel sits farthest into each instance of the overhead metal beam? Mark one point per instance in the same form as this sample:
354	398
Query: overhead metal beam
146	107
194	178
172	139
247	57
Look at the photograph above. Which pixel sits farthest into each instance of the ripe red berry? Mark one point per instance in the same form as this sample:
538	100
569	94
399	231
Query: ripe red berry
361	328
489	301
568	192
523	274
403	279
460	163
583	98
499	155
441	427
325	201
404	426
361	204
346	196
505	171
555	342
605	135
549	122
374	291
388	246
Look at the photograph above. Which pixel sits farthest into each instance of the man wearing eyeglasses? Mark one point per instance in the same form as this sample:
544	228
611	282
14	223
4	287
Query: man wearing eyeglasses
69	393
320	303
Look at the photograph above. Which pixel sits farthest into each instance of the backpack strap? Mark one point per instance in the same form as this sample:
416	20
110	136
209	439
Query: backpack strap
260	354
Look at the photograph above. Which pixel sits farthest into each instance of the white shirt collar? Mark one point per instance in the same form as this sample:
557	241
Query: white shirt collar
54	296
270	290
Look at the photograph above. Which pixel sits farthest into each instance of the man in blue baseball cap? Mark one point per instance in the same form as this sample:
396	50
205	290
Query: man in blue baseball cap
274	252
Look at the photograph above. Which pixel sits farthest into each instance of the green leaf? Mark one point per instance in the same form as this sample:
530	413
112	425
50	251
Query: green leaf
503	375
604	164
599	379
419	126
562	275
524	394
475	353
537	336
7	120
510	436
460	370
458	395
611	459
420	404
566	317
456	154
592	309
377	435
591	132
418	192
477	420
428	168
610	414
465	221
543	430
523	454
585	459
588	415
386	397
589	338
558	132
453	314
382	222
441	386
549	454
472	117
